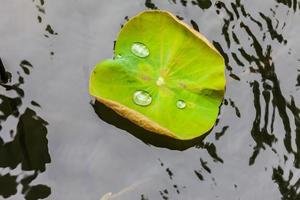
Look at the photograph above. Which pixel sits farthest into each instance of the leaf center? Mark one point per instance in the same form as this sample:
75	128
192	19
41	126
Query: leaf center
160	81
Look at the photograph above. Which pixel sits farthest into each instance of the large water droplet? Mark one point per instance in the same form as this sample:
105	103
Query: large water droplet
140	50
180	104
142	98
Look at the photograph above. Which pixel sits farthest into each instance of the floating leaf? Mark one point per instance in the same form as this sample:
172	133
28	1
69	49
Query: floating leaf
165	77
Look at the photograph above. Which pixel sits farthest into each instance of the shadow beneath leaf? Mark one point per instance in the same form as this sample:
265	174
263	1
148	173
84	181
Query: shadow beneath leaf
111	117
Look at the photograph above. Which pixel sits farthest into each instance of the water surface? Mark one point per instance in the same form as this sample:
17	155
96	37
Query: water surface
55	143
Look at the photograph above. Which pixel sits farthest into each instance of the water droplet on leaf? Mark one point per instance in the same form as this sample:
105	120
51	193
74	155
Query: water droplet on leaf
140	50
142	98
118	56
180	104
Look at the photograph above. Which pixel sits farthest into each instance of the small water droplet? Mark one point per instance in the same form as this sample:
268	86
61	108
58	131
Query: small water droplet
181	104
142	98
140	50
118	56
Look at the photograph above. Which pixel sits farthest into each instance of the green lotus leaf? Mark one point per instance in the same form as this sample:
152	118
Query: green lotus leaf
165	77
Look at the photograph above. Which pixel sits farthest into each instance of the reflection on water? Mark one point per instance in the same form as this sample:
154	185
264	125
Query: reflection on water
149	4
4	75
204	4
253	152
25	153
269	101
293	4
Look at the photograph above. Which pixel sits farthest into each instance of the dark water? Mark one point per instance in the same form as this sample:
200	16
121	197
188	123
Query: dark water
55	143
